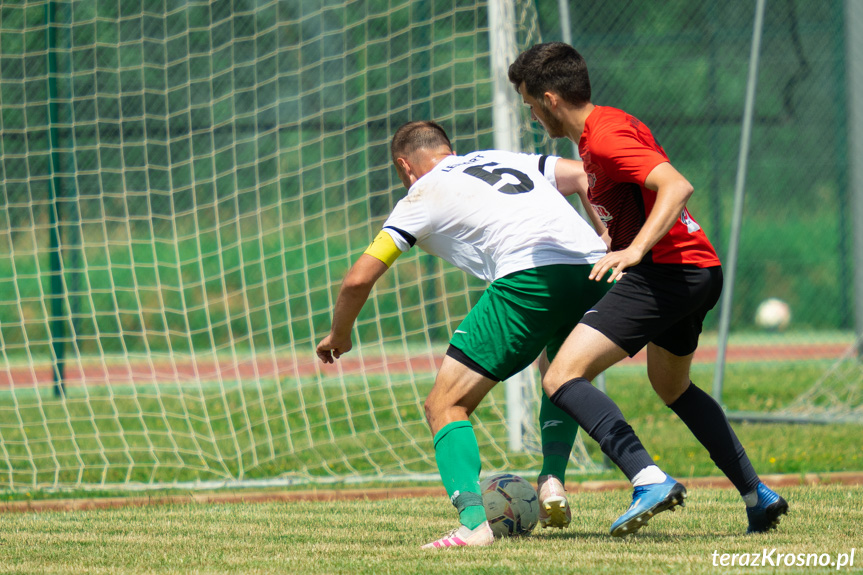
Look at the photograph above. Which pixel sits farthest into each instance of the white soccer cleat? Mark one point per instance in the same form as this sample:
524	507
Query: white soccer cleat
464	537
554	509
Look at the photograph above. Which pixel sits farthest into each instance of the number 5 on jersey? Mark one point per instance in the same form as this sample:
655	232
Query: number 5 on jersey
494	177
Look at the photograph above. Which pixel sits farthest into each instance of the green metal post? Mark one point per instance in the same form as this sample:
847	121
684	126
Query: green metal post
58	327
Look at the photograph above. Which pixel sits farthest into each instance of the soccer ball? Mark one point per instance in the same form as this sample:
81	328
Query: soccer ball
511	505
773	314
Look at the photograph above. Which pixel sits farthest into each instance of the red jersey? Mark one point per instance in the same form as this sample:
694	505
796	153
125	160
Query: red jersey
619	152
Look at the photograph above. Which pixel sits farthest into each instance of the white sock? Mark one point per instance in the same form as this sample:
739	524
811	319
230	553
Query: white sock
751	498
650	475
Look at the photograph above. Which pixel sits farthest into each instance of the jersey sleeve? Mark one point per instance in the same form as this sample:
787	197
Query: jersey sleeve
545	164
408	223
627	154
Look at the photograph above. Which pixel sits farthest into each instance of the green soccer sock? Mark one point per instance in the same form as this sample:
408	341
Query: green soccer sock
557	430
457	454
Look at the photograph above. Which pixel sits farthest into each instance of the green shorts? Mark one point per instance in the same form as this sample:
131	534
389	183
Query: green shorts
520	314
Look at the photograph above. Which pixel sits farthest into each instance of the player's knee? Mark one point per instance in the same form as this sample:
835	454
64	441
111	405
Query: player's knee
429	409
552	381
669	389
435	409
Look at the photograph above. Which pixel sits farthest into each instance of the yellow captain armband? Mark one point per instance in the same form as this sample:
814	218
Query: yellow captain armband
384	248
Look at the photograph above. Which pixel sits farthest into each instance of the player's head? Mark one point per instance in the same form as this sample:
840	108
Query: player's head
551	68
414	143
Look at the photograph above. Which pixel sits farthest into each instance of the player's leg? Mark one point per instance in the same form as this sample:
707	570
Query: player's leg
557	429
613	329
457	391
557	432
501	335
528	312
669	357
669	376
585	354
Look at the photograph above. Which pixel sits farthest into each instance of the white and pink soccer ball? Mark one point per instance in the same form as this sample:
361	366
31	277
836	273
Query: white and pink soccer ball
511	504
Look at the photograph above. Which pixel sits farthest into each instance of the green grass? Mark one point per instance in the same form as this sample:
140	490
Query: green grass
773	448
384	537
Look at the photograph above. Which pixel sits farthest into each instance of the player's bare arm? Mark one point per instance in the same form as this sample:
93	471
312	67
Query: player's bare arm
572	179
353	294
595	220
672	193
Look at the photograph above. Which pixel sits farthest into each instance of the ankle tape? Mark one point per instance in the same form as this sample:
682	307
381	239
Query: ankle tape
466	499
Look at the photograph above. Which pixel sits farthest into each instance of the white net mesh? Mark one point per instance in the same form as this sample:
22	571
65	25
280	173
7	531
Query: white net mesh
184	186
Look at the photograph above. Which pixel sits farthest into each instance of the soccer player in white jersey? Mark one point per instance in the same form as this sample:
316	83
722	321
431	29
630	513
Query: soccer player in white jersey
501	217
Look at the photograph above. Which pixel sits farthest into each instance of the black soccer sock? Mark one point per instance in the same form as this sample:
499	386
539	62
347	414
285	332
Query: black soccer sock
600	417
707	422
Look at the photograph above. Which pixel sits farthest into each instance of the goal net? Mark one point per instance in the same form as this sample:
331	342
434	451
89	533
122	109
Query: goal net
183	188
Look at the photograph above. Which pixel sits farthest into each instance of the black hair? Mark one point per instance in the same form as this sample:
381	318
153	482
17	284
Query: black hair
552	67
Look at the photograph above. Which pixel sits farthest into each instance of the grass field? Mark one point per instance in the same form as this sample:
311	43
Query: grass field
384	537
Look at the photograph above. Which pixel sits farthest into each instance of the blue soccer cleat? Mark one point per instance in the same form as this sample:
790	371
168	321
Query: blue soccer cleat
764	515
647	501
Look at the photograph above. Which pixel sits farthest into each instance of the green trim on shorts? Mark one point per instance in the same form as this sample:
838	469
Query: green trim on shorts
524	312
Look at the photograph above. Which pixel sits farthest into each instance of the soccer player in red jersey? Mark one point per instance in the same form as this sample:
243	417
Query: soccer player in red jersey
667	276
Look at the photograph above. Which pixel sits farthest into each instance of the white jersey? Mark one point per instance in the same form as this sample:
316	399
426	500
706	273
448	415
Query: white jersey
492	213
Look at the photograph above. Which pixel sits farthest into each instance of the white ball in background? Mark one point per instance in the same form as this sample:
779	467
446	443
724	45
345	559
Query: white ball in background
773	314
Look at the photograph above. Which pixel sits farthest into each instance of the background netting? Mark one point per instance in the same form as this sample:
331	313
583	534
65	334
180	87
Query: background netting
184	184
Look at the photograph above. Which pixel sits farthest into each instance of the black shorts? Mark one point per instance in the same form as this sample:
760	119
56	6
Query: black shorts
664	304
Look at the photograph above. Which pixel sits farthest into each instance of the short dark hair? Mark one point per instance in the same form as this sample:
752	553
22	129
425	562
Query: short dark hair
413	136
555	67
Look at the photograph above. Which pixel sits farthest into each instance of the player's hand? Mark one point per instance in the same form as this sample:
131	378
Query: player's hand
607	239
615	263
332	348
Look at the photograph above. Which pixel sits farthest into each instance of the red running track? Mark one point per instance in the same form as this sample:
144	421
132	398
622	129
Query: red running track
190	371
